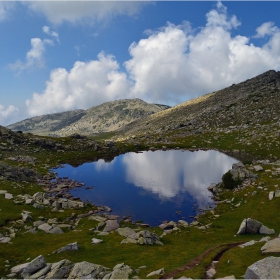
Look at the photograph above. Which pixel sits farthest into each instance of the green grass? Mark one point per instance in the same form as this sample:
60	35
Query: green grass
179	248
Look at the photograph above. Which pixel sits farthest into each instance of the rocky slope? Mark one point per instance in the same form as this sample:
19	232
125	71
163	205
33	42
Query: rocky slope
106	117
243	105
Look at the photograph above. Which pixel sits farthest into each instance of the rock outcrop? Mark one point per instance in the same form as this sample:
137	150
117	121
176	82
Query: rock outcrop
65	269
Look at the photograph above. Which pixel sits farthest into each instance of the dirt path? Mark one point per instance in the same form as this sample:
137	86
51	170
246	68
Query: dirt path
197	260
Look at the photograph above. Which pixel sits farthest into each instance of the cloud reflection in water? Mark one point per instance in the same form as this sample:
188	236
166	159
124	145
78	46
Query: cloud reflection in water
171	173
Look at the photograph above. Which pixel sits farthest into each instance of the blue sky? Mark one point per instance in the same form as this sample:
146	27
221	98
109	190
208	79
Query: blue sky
59	55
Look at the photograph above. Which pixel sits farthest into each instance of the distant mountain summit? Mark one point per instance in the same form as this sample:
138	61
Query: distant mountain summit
106	117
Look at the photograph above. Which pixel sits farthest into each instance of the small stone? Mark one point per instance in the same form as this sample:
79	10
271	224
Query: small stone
8	196
96	241
258	168
156	272
271	195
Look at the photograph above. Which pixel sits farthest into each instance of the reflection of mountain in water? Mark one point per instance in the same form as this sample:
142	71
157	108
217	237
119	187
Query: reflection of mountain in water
169	174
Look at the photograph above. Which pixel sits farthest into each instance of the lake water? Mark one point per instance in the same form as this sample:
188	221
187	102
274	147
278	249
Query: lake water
151	186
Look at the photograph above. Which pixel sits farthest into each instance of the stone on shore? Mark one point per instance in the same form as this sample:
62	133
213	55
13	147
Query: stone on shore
111	225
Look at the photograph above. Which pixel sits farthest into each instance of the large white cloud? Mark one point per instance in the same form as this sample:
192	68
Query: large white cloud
176	63
86	84
58	12
173	64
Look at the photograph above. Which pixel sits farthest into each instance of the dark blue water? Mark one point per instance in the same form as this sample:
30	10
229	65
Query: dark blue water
151	186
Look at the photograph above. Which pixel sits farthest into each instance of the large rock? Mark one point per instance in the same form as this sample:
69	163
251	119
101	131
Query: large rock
253	226
86	270
121	271
267	268
148	238
265	230
127	232
34	266
249	226
272	246
111	225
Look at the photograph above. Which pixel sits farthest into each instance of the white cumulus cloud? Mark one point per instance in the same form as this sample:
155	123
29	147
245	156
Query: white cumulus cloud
86	84
58	12
34	57
267	28
172	65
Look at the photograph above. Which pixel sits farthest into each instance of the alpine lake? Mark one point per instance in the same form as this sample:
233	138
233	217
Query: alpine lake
151	187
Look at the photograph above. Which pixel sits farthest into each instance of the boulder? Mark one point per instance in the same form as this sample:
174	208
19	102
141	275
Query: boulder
121	271
5	239
258	168
86	270
127	232
265	230
272	246
69	247
253	226
34	266
8	196
56	230
26	217
111	225
148	238
249	226
267	268
45	227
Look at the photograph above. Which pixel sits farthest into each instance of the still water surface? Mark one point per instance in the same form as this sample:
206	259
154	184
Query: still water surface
151	186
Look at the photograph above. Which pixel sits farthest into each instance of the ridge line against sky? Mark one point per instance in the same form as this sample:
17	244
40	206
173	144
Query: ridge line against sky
59	56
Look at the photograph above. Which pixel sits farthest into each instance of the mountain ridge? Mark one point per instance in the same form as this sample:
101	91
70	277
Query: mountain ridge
231	105
105	117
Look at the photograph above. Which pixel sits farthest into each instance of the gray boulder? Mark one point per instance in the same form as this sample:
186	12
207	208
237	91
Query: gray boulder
253	226
249	226
86	270
56	230
148	238
45	227
272	246
111	225
265	230
121	271
267	268
127	232
34	266
69	247
26	217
